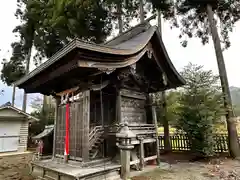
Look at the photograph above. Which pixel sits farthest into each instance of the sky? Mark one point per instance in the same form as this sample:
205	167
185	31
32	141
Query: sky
195	52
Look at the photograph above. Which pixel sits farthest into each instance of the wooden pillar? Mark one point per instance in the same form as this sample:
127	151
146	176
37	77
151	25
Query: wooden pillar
154	115
141	154
57	102
118	106
85	122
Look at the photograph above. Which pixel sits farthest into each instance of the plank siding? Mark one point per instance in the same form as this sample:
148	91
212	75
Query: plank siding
132	107
133	110
23	136
79	141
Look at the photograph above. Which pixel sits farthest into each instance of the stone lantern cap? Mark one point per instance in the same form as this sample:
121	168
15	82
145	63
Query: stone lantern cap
125	132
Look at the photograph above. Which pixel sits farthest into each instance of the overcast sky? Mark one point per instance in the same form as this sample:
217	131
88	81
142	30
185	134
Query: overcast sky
195	51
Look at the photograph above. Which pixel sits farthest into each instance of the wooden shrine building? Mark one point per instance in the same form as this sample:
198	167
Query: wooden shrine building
104	85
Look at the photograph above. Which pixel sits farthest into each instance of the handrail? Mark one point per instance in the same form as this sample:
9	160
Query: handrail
94	135
134	127
97	131
94	130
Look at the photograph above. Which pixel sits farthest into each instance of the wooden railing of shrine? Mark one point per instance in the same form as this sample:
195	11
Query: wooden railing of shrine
143	129
180	142
138	128
94	134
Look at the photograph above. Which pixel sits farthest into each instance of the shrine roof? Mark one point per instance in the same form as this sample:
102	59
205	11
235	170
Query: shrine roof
119	52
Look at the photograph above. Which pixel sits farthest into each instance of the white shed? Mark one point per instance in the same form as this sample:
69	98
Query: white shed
14	129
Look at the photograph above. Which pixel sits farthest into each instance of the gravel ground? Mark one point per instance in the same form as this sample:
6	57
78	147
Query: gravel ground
218	170
15	167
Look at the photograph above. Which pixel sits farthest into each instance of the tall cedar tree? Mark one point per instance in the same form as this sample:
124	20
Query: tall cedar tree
197	18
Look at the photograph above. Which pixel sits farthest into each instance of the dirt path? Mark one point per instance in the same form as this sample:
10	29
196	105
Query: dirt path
223	170
15	167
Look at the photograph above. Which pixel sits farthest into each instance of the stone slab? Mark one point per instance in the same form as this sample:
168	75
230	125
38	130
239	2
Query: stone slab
74	170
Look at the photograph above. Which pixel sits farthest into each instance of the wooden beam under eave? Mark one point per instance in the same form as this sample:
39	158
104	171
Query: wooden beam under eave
98	57
50	75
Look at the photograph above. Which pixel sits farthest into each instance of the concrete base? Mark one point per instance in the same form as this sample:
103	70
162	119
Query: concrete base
53	170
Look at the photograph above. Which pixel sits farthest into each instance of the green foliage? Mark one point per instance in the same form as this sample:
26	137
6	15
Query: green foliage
190	16
85	19
166	7
199	108
14	68
235	95
172	98
194	19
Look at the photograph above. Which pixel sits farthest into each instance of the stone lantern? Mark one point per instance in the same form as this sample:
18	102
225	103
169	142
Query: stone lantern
125	145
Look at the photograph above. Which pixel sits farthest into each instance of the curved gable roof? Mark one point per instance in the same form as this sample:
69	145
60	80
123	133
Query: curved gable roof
119	52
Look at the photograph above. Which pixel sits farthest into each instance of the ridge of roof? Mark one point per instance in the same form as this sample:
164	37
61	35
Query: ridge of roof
6	104
127	35
47	130
101	48
19	111
144	26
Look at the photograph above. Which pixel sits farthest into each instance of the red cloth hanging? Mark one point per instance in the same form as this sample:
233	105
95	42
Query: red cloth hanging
67	131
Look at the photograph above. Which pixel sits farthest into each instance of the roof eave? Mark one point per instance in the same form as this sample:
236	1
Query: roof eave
29	117
179	81
76	43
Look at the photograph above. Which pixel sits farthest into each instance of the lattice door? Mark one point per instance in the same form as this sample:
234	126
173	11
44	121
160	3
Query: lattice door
60	130
78	128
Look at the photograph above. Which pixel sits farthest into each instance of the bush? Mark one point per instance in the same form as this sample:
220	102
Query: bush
199	107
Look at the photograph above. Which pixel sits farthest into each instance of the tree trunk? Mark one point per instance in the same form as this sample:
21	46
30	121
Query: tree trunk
167	145
119	16
44	110
13	94
24	105
159	19
233	145
141	11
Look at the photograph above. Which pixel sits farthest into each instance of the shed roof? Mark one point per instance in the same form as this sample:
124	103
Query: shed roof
48	129
9	106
